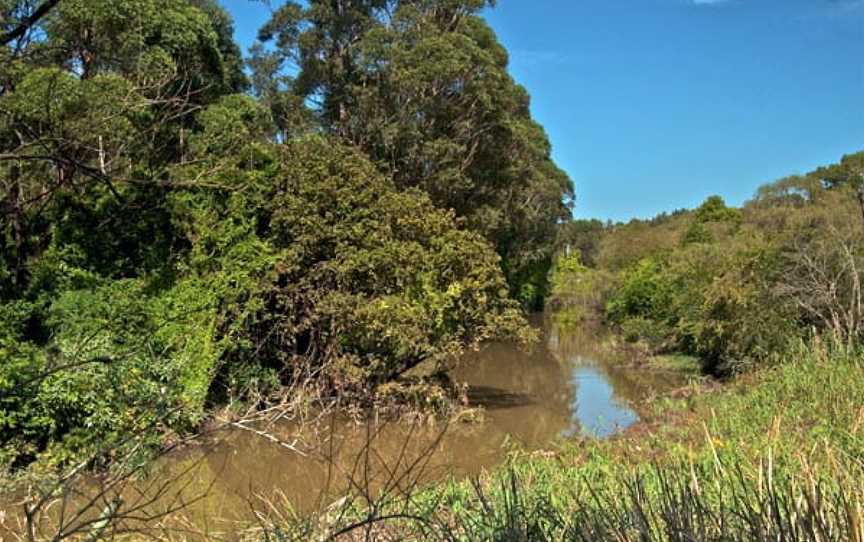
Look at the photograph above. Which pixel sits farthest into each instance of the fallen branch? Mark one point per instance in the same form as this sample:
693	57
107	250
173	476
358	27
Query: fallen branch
267	436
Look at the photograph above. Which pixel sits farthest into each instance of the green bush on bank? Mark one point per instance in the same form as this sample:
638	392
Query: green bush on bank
316	266
577	291
733	287
111	371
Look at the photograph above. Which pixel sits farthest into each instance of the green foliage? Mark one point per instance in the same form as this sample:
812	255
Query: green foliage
795	191
168	243
641	303
94	107
423	90
623	245
726	310
376	277
581	235
329	262
849	172
714	209
736	287
713	220
717	302
99	36
697	233
112	373
87	363
644	291
577	290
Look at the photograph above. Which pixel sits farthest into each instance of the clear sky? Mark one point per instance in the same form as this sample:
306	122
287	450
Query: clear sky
653	105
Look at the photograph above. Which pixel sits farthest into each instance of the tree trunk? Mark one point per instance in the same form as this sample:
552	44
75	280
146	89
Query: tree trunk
19	233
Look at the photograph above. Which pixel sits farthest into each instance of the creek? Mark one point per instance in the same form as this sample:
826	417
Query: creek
568	386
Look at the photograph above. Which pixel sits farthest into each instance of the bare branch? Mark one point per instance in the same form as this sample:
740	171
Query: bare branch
28	22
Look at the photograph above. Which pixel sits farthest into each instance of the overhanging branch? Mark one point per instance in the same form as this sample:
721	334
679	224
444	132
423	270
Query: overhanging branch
28	22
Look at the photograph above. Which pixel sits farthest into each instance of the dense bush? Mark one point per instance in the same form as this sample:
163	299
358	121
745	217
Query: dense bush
304	260
117	366
369	279
715	300
644	292
725	310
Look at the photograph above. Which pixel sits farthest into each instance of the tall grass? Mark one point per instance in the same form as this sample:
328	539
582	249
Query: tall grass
667	503
674	503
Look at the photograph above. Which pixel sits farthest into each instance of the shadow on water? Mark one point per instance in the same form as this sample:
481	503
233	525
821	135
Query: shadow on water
495	398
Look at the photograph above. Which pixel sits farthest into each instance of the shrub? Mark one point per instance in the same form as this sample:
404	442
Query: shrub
111	371
371	279
654	333
644	291
740	321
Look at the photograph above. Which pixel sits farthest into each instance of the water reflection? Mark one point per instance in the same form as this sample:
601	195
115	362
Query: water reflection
603	392
596	409
570	385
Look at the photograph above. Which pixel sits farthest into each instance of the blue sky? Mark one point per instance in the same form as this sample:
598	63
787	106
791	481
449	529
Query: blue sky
653	105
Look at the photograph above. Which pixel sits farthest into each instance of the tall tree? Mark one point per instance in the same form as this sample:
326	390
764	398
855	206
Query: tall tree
422	87
96	99
848	173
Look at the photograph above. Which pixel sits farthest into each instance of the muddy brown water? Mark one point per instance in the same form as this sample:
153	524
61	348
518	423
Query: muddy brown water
567	387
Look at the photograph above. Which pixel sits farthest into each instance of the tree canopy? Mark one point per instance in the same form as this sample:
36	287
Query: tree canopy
178	229
735	287
423	89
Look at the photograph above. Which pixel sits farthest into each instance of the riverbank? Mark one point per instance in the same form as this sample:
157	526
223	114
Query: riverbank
776	453
568	385
576	435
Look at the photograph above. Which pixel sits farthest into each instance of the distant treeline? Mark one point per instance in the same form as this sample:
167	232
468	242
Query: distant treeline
183	227
731	286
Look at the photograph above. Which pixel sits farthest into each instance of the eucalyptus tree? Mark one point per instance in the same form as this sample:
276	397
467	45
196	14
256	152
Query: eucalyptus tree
422	87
